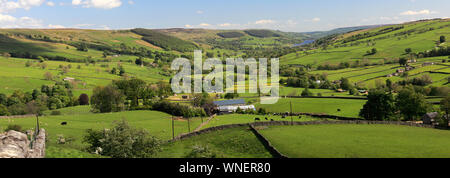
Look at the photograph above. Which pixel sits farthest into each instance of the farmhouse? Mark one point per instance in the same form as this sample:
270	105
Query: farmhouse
230	106
430	118
68	79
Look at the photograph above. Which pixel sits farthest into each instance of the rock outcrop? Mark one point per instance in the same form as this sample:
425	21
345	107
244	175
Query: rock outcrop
16	145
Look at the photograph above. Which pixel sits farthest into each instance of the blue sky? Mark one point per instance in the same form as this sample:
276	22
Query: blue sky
285	15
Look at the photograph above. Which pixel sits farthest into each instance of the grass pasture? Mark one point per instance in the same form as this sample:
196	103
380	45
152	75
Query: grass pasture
229	143
349	107
359	141
243	119
157	123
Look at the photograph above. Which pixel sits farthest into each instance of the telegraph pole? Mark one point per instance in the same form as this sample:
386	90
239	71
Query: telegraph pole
189	125
173	128
292	118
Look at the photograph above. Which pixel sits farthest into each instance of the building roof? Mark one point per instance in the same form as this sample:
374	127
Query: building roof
431	115
229	102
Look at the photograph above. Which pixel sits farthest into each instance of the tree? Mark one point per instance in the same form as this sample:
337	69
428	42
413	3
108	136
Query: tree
3	99
231	95
139	61
389	85
114	71
442	39
445	107
353	91
411	104
121	71
200	99
4	110
379	106
132	89
122	141
345	84
408	50
83	99
374	50
403	61
306	92
82	47
107	99
48	76
43	65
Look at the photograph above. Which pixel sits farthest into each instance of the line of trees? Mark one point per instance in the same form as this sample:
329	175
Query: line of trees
136	94
407	105
46	98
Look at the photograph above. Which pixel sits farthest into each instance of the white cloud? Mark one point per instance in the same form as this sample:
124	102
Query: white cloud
131	2
422	12
50	3
55	26
8	6
100	4
205	25
7	21
315	19
7	18
199	12
264	22
225	25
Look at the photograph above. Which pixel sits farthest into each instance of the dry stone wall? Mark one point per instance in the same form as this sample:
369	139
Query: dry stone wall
17	145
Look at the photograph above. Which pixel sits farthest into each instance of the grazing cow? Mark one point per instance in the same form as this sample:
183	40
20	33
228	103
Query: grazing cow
339	110
267	119
257	119
299	117
283	117
64	123
271	120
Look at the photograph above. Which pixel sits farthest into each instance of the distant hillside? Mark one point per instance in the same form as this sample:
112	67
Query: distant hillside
165	41
377	43
262	33
320	34
230	34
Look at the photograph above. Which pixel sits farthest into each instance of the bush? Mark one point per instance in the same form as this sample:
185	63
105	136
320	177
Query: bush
55	113
122	141
4	110
201	152
306	92
83	99
16	128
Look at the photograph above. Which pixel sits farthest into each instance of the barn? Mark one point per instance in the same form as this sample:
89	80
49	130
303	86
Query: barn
230	106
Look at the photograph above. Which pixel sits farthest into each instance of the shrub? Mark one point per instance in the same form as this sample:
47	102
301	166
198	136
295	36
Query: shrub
16	128
4	110
306	92
201	152
83	99
55	113
122	141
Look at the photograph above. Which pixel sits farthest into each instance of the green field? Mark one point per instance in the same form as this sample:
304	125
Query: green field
157	123
349	107
16	76
359	141
229	143
243	119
